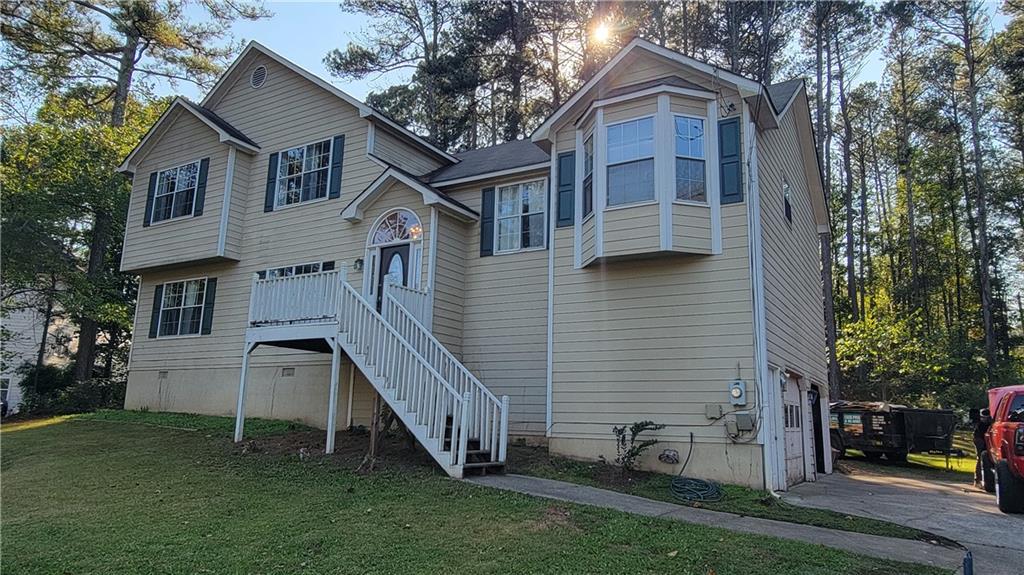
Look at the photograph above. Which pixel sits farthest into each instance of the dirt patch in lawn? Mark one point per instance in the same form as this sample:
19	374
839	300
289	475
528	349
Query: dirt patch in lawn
555	516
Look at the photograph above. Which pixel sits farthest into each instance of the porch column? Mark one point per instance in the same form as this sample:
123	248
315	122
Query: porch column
332	405
240	407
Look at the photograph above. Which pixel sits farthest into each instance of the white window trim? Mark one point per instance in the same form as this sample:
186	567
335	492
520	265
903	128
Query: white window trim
707	154
277	176
372	259
319	263
544	211
605	164
152	212
593	165
202	309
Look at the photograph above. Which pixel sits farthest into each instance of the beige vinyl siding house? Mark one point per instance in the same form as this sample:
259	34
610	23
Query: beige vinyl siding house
471	293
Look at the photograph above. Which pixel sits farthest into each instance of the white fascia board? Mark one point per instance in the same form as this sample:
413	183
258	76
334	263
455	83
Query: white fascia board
655	90
354	211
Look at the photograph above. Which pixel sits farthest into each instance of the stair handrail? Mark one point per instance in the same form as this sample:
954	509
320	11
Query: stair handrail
491	423
459	435
416	301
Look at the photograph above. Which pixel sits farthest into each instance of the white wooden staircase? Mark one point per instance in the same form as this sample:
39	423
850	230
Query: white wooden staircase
450	412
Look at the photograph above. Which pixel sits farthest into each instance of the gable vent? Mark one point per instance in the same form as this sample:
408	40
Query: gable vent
258	77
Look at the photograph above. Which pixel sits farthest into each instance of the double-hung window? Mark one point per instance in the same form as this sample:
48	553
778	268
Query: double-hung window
303	173
181	309
175	194
690	165
295	270
588	176
520	216
630	162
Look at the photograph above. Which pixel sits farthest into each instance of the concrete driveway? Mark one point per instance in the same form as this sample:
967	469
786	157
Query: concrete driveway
957	511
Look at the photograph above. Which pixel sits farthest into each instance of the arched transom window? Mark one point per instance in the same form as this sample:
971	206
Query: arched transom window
397	226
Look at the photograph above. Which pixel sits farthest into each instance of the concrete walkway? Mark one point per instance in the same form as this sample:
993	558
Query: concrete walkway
871	545
952	509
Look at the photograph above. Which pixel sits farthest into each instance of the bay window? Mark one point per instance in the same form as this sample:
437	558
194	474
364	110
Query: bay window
630	161
520	215
689	158
302	173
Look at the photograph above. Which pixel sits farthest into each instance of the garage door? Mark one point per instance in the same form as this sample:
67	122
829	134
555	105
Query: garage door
793	419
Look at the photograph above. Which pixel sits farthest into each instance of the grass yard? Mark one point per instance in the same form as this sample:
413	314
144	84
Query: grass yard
920	465
104	494
740	500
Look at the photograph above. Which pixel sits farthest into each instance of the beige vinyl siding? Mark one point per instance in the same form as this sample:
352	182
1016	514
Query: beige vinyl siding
792	281
565	139
588	239
644	66
632	230
184	239
389	148
504	333
630	110
691	228
449	282
235	237
688	106
651	339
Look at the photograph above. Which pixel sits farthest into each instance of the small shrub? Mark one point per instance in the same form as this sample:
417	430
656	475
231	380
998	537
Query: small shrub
627	449
51	390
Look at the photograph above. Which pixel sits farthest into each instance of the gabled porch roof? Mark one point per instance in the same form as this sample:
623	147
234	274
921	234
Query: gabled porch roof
353	212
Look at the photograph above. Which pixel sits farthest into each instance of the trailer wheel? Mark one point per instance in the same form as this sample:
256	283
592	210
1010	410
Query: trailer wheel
1009	489
873	455
988	473
897	456
837	445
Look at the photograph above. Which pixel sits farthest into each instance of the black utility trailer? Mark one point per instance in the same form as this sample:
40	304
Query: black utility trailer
879	428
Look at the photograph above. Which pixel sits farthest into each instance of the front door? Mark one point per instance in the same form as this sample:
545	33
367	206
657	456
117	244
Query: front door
394	262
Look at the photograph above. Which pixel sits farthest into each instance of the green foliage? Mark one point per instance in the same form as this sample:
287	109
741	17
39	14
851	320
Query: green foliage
627	449
51	390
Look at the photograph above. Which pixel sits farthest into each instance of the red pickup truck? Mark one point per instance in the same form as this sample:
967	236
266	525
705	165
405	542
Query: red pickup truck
1003	461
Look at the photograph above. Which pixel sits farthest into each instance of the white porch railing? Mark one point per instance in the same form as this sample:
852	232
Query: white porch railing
305	298
420	395
488	415
417	302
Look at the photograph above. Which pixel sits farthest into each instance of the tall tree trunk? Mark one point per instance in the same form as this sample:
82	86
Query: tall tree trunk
47	320
844	111
980	197
865	243
99	241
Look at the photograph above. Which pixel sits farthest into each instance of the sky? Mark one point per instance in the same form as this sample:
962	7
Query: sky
304	32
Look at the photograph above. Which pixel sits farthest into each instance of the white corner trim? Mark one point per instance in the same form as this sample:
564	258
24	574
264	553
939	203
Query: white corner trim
600	188
664	168
489	175
225	208
553	207
577	228
713	176
432	256
371	138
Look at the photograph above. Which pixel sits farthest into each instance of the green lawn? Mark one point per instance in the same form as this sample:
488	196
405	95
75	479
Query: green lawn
100	494
921	465
740	500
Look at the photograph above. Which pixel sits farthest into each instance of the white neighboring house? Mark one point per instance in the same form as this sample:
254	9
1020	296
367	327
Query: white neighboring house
26	324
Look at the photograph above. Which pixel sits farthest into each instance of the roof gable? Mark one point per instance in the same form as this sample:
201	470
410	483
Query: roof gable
233	73
227	133
354	211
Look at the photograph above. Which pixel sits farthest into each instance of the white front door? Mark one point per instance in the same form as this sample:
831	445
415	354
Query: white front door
793	419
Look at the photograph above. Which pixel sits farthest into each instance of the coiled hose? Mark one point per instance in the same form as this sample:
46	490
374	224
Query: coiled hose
693	490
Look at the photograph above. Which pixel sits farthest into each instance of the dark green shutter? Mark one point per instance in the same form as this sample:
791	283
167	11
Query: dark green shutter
487	223
150	198
337	159
268	199
211	293
154	319
729	161
204	168
566	189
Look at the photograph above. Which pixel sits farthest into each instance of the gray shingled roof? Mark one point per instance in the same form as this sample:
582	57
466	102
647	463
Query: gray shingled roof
220	122
491	159
782	92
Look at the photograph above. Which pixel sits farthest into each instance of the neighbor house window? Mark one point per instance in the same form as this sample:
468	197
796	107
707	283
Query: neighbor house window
690	181
303	173
631	162
520	216
181	310
5	388
175	192
787	207
588	176
295	270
